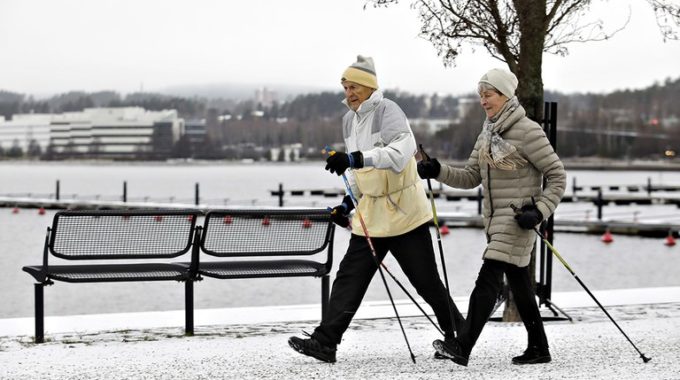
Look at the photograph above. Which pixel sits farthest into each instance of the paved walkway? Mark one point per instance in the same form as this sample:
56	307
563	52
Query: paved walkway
589	348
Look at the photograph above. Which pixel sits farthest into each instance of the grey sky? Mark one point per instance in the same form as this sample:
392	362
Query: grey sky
53	46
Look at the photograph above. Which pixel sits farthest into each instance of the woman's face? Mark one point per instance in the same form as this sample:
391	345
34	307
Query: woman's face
492	102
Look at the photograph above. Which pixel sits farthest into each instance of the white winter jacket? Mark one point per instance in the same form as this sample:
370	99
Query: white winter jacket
391	196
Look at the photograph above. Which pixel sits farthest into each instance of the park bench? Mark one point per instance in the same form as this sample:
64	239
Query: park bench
266	243
238	243
116	246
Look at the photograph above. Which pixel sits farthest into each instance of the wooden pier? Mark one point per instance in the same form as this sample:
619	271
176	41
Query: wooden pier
451	219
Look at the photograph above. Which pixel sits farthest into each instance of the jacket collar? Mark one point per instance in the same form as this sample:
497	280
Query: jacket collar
368	105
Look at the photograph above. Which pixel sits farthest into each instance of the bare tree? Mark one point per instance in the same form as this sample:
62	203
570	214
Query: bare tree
518	32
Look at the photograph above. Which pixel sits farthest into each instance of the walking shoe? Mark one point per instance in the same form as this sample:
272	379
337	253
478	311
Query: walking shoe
439	356
447	337
532	355
452	350
312	347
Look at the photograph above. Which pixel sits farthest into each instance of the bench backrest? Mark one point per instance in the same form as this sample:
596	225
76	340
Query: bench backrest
273	232
128	234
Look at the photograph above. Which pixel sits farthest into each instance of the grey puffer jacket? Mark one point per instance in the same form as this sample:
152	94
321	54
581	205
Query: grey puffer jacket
507	242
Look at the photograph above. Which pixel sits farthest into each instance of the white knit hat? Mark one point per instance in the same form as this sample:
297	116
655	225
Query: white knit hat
502	80
362	72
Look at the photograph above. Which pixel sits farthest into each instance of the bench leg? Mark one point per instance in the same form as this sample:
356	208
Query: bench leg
189	307
39	313
324	295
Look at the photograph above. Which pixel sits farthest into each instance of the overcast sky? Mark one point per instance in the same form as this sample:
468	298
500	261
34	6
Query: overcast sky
53	46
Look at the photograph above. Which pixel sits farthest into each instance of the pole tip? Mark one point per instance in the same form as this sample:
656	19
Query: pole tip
413	358
644	358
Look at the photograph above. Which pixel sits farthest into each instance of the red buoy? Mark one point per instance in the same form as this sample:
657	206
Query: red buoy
15	210
41	211
227	219
158	218
607	237
306	223
190	218
444	230
670	240
265	221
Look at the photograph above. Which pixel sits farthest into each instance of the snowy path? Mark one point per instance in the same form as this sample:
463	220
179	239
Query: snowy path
589	348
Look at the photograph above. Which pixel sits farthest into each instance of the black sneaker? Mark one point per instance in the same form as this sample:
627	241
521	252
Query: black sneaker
439	356
532	355
452	350
447	337
312	347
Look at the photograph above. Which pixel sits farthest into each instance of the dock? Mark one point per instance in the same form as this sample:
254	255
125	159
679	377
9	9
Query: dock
451	219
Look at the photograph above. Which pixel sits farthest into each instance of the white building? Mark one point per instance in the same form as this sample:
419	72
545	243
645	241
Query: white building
25	130
130	132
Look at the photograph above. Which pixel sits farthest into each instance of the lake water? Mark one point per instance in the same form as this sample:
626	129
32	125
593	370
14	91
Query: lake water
627	263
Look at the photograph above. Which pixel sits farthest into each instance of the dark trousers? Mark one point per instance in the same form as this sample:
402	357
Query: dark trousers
415	255
483	298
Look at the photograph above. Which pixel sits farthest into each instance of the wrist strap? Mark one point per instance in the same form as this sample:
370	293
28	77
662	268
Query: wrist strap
351	160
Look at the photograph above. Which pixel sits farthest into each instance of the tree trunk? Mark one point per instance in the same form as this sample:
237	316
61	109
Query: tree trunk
531	16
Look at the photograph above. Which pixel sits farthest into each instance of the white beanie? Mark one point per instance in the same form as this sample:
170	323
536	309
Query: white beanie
502	80
362	72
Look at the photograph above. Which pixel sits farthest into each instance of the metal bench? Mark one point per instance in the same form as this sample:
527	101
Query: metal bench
292	236
154	236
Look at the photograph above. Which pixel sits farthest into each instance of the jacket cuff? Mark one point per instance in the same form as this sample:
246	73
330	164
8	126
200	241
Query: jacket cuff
543	208
369	158
444	171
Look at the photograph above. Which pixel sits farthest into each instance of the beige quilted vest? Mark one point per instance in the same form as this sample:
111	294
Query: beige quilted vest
392	203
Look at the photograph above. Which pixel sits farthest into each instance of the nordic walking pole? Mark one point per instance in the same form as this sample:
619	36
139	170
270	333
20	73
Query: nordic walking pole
559	257
439	242
374	254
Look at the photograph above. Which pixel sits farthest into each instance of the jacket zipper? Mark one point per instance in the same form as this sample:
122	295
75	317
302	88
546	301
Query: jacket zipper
488	181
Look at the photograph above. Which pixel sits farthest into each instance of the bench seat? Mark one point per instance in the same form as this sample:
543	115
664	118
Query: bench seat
110	272
270	268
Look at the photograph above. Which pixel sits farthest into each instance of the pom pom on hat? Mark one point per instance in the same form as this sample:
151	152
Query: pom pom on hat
362	72
502	80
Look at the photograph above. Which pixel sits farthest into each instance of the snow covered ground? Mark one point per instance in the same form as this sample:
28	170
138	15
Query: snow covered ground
589	348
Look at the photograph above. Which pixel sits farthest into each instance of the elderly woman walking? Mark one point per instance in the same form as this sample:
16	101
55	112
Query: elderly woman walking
510	159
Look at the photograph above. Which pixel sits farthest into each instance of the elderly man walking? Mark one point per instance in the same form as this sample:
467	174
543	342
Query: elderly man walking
392	201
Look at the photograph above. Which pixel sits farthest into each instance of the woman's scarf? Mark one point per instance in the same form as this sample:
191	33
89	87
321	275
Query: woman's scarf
495	151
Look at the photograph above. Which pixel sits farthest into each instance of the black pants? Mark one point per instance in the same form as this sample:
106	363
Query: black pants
415	255
483	298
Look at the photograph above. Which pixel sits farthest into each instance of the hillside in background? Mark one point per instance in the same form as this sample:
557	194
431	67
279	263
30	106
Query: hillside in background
642	123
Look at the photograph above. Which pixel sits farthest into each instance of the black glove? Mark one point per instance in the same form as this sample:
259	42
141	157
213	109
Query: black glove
339	213
429	168
528	217
339	162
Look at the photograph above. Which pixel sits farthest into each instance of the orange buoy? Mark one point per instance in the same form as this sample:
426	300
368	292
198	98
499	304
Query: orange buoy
607	237
41	211
670	240
306	223
265	221
444	230
158	218
227	219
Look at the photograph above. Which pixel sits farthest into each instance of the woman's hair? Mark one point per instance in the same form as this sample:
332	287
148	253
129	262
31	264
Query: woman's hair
481	87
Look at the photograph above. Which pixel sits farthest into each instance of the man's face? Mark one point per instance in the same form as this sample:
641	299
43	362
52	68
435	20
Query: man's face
356	94
492	102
